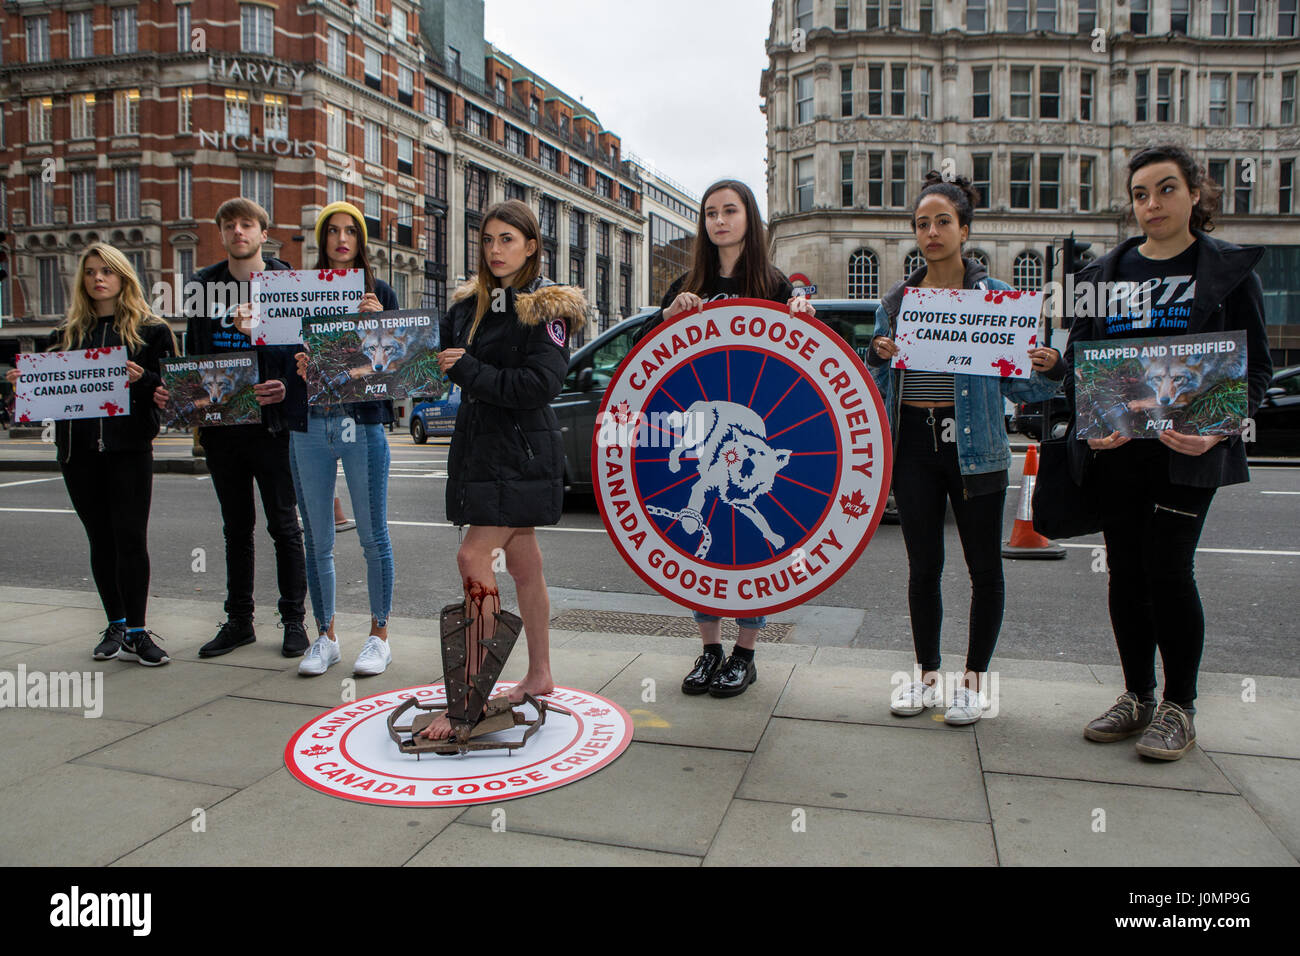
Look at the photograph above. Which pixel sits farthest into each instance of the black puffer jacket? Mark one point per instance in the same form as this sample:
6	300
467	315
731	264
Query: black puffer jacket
506	462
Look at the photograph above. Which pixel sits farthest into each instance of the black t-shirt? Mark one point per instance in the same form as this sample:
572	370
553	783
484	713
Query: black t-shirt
727	287
1155	298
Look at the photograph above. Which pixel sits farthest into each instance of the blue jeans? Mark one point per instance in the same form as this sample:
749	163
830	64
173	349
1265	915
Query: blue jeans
314	455
757	623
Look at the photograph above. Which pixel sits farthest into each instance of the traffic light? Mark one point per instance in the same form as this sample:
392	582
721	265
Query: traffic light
1072	259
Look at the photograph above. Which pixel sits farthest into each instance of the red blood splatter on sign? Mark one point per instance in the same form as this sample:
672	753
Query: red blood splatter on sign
1006	367
110	409
261	340
329	274
1033	339
23	417
96	353
899	363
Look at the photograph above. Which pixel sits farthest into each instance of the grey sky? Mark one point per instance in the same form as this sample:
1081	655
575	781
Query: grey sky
677	80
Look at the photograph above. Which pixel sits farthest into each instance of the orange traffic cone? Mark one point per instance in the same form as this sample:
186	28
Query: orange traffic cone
1025	541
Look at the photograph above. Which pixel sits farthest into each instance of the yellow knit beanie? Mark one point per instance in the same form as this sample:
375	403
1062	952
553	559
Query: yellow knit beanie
346	207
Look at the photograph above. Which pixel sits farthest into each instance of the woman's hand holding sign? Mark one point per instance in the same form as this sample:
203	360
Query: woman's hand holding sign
449	357
1044	359
685	302
1188	444
801	304
370	303
885	346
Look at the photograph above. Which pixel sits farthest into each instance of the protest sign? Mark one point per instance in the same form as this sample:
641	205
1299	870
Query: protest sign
210	390
358	358
1193	384
283	298
89	383
970	331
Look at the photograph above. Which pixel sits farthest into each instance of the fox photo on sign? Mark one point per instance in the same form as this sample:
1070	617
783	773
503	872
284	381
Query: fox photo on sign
1193	384
359	358
283	298
90	383
741	458
211	390
970	331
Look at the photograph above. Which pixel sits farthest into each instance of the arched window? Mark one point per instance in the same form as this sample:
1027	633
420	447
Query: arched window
1027	272
864	275
982	256
914	261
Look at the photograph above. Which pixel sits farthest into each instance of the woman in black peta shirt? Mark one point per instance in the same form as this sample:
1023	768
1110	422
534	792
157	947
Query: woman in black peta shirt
729	260
1155	493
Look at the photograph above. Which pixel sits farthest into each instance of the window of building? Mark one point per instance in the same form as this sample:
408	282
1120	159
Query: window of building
803	184
1184	96
873	13
534	110
516	191
435	174
126	192
184	109
1139	17
846	91
1022	175
40	210
976	16
405	222
336	190
1286	184
184	38
548	218
1027	272
875	90
237	112
405	154
604	186
435	102
476	189
981	99
499	90
336	57
898	89
1141	95
846	179
275	115
1218	18
516	140
803	98
898	177
83	115
374	68
1086	80
257	29
1022	91
864	275
1087	16
335	127
1164	93
913	261
1045	15
1218	170
1245	112
259	186
51	285
1085	184
184	192
1243	185
81	34
895	13
876	179
126	112
126	33
577	172
926	16
185	263
373	210
1286	17
40	119
374	148
841	14
476	120
367	10
1180	16
1219	98
926	78
38	38
400	286
1049	182
83	196
399	24
980	256
405	84
1246	18
1049	92
1017	16
1287	101
549	157
803	14
981	179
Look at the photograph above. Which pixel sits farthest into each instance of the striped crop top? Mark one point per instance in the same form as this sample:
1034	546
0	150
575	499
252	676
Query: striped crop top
921	386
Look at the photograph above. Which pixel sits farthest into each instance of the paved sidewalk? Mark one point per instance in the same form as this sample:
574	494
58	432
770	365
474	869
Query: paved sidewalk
704	780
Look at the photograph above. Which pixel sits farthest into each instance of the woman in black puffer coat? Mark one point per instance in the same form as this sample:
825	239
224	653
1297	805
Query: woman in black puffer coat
505	343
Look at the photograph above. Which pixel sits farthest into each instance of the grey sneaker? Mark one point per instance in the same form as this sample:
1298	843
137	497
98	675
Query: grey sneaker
1170	735
1129	715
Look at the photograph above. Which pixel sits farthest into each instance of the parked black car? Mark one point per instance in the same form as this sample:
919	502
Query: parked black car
1028	418
1277	420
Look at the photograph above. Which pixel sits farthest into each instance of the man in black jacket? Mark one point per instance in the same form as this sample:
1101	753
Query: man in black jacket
240	455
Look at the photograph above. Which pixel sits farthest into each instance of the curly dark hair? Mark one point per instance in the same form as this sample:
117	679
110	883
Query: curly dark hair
957	190
1194	175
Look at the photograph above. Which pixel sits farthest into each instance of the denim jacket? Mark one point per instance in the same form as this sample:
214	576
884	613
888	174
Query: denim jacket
982	445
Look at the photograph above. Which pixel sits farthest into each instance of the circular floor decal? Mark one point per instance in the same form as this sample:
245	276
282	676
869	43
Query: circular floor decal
348	753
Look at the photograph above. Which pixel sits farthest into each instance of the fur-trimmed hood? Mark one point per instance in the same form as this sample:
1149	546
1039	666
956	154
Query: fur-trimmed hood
543	301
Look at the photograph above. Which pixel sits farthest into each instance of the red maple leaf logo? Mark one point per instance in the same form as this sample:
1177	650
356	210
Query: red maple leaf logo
622	413
855	506
315	750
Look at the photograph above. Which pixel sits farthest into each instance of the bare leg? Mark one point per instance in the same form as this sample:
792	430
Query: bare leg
524	562
711	632
748	635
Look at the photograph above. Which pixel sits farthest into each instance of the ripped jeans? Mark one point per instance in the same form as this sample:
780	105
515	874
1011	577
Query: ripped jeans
1152	527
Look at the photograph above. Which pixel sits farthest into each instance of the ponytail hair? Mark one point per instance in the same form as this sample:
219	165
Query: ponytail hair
957	190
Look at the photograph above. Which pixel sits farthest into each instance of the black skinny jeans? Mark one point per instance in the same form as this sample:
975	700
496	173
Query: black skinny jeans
926	476
111	493
1152	527
239	456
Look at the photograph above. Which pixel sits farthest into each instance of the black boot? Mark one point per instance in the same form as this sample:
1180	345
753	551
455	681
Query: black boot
231	635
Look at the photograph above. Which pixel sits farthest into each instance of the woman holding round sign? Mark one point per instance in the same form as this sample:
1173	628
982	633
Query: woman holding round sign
1154	494
107	463
729	260
950	444
505	342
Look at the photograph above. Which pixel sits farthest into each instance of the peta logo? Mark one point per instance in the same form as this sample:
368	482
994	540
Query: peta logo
76	909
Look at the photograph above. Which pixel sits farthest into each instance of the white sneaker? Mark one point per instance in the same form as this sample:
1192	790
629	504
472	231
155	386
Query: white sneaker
965	707
320	657
374	657
912	699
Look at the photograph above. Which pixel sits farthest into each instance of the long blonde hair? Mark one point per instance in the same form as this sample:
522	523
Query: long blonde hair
130	312
514	213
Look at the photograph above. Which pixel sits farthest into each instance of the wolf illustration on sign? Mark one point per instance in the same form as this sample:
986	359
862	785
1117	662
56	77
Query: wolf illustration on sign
1177	381
735	462
219	384
386	349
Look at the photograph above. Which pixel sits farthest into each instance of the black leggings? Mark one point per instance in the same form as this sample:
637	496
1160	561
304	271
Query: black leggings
111	493
926	476
1152	527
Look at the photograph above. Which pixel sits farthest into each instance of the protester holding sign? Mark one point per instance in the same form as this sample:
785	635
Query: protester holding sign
950	443
505	343
107	463
322	435
1172	281
729	260
240	456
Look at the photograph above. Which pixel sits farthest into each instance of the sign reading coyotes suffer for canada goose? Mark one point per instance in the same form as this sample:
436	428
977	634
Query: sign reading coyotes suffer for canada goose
741	458
85	383
211	390
1193	384
968	331
376	355
282	298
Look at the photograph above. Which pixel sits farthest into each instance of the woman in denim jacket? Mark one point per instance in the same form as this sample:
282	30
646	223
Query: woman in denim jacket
950	443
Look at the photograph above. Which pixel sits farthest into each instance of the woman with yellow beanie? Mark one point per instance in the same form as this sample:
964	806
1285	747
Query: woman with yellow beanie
321	436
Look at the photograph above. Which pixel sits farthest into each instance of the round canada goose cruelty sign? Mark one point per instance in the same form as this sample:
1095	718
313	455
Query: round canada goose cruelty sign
741	458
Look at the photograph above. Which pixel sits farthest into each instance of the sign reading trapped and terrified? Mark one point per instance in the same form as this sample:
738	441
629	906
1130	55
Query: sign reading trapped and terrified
209	390
88	383
283	298
1193	384
969	331
740	458
376	355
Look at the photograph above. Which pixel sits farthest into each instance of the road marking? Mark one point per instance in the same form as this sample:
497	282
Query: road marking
444	524
43	511
1281	554
29	481
1280	492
